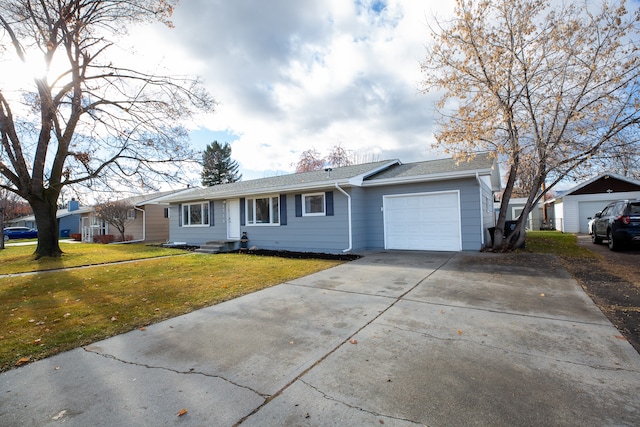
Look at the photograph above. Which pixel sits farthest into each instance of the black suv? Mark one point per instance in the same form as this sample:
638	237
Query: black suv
619	223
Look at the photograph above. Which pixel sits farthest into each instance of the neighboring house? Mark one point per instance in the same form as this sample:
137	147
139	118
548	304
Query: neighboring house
68	219
434	205
514	210
148	221
573	209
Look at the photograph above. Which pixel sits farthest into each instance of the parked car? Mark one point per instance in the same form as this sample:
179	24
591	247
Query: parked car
618	223
20	233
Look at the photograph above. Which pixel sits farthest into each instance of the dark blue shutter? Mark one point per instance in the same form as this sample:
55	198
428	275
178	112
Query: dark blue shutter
328	200
180	215
298	204
283	209
211	218
242	215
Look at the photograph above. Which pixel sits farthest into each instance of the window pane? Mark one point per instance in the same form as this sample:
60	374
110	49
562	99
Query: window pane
185	214
314	204
205	215
196	214
276	210
262	211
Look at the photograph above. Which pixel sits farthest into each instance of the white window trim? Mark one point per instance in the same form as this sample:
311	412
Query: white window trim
304	205
201	204
262	224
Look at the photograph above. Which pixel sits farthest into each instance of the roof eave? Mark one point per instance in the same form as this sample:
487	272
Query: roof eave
430	177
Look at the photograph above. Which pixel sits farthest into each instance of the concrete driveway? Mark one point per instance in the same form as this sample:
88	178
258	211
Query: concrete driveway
398	338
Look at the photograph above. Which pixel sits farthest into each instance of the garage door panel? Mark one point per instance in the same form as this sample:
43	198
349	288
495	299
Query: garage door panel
429	221
587	210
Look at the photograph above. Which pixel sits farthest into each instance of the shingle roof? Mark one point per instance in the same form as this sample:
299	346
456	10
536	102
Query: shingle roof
146	198
281	182
482	161
367	173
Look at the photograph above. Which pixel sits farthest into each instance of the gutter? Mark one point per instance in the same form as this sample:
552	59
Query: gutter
349	215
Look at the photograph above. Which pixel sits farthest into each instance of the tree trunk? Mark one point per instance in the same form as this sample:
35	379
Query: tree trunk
499	241
45	210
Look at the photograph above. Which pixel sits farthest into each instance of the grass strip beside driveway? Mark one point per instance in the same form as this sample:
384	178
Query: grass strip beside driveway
556	243
47	313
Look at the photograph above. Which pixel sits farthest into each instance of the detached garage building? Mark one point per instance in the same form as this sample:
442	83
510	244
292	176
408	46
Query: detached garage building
574	208
438	205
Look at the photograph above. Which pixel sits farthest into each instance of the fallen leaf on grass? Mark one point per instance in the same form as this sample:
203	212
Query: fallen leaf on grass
182	412
23	360
37	341
114	318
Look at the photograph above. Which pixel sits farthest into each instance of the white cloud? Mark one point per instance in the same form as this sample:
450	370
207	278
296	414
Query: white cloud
294	75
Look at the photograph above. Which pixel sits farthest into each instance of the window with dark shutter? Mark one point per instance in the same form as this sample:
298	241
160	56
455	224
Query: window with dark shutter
283	209
328	199
298	198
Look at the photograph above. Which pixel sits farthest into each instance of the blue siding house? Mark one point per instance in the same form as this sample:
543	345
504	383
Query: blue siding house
437	205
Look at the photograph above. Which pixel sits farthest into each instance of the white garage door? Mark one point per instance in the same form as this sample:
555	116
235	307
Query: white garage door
586	210
427	221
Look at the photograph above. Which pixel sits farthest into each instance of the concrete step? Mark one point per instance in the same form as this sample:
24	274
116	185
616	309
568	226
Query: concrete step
206	251
218	246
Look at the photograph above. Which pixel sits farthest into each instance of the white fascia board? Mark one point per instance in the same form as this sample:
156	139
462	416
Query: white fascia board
426	178
357	181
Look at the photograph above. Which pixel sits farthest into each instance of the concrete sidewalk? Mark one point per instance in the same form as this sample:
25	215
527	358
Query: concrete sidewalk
398	338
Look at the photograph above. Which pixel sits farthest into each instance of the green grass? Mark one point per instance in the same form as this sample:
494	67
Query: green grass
557	243
45	313
20	259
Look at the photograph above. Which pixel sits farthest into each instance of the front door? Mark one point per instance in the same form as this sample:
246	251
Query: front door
233	219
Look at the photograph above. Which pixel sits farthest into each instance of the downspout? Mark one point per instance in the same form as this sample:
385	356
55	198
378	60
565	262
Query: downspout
349	215
481	210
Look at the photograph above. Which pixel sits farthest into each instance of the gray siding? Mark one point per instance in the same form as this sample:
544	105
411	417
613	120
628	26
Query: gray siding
372	216
330	233
360	224
488	217
197	236
305	234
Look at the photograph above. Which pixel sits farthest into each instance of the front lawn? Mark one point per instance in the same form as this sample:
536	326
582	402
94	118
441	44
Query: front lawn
20	259
46	313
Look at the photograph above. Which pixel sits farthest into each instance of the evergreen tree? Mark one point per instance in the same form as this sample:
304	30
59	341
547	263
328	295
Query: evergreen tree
217	166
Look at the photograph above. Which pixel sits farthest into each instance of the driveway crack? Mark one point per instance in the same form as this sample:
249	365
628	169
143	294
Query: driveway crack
507	350
176	371
375	414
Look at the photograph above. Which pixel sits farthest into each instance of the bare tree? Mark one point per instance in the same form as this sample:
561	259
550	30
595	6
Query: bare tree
546	87
117	213
339	156
310	160
621	157
93	121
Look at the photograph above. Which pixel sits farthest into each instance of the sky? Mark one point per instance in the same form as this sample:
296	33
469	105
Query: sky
295	75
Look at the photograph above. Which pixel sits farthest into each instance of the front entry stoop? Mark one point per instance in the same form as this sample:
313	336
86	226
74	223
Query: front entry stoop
218	246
